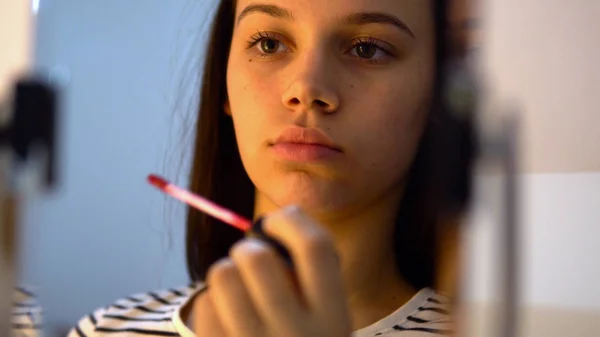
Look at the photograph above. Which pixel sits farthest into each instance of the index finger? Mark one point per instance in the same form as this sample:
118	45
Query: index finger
315	259
205	321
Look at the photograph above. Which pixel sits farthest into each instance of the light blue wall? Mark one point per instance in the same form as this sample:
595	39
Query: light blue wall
128	68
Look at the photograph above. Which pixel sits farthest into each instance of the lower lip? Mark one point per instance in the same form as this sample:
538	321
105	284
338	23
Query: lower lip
303	152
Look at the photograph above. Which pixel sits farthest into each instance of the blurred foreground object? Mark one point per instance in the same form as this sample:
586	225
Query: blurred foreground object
28	113
28	154
534	239
462	146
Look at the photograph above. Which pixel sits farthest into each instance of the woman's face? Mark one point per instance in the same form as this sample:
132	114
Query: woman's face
358	72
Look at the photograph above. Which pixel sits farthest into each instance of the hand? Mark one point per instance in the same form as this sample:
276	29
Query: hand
253	293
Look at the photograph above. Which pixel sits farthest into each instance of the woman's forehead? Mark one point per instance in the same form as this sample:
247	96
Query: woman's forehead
414	15
307	10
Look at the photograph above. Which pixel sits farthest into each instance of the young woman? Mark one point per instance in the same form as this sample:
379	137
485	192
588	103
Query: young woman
319	116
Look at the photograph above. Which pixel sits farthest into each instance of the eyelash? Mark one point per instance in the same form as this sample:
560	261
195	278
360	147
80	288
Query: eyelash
370	41
258	37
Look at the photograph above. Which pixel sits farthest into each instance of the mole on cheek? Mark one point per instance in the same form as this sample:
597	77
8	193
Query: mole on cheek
352	86
249	60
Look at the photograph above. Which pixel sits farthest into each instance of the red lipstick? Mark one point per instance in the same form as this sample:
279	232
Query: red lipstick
202	204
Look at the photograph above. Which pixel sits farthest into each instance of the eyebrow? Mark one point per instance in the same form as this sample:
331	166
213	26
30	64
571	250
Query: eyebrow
358	19
271	10
364	18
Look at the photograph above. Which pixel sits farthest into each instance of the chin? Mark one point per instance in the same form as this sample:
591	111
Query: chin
314	195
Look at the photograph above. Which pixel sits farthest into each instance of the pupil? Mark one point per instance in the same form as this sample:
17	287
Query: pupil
269	45
366	51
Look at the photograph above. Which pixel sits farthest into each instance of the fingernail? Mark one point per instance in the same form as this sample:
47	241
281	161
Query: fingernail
292	209
252	244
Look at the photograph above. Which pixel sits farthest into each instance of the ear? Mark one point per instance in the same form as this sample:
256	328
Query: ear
227	108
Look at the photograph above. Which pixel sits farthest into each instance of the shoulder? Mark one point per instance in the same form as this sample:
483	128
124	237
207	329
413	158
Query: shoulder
146	314
427	315
432	317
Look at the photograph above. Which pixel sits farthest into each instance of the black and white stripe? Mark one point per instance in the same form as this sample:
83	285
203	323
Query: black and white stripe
151	314
145	314
26	314
430	319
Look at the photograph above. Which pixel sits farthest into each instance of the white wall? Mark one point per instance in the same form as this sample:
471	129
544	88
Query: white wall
128	68
558	270
559	241
543	55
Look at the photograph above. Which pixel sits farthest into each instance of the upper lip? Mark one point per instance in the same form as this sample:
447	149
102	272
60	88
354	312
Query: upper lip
309	136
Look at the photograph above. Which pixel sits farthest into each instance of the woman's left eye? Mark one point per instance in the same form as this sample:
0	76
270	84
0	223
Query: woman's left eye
369	50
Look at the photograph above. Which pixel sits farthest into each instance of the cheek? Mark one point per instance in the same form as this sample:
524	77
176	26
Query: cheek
396	140
250	85
246	87
393	120
253	102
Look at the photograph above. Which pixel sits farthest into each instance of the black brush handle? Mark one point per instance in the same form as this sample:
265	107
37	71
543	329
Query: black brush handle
258	232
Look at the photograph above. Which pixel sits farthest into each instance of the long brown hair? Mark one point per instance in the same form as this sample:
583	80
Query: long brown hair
217	171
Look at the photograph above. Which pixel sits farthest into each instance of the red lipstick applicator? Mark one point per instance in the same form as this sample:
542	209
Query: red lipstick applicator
251	229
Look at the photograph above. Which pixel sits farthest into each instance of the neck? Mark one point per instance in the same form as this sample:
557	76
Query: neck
364	242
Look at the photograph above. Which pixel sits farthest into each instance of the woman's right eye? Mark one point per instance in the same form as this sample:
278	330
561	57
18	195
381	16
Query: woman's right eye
269	46
266	44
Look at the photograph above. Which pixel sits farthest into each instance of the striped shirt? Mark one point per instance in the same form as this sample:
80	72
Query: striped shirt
26	314
159	314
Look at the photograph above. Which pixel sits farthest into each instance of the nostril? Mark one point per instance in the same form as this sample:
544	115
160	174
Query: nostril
321	104
295	101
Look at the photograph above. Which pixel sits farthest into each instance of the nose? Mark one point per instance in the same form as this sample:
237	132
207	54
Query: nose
311	88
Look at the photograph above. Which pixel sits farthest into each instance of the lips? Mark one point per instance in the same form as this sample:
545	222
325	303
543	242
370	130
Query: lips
305	145
306	136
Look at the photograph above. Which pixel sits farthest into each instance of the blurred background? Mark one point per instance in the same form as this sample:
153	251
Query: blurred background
129	75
